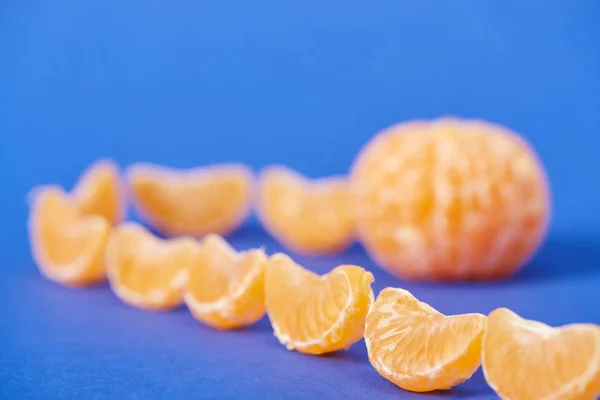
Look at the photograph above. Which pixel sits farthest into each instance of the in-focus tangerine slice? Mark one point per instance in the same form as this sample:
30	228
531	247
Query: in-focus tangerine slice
450	199
67	247
194	202
316	314
529	360
147	272
310	217
225	288
418	348
99	191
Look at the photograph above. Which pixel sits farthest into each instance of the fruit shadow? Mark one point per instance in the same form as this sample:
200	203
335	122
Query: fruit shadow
357	353
475	387
563	256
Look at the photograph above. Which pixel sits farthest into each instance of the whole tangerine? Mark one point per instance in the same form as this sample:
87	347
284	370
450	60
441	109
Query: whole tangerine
450	199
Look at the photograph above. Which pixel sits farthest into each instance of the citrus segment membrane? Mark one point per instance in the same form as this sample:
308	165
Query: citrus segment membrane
194	202
307	216
529	360
67	247
417	347
148	272
225	289
316	314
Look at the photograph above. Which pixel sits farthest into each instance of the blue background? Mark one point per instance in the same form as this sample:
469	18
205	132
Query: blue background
186	83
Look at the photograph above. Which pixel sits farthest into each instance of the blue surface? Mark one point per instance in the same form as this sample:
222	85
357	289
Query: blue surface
186	83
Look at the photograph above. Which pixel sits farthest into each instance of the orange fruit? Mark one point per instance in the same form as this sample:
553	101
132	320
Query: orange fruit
225	288
529	360
309	217
450	199
68	247
316	314
148	272
418	348
194	202
99	191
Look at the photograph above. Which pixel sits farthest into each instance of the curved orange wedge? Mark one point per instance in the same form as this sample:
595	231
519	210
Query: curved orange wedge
145	271
67	247
193	202
528	360
419	348
225	289
316	314
309	217
99	191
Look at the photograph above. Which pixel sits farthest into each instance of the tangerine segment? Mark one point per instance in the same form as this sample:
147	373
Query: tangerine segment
67	247
147	272
225	289
310	217
316	314
418	348
450	199
99	191
194	202
529	360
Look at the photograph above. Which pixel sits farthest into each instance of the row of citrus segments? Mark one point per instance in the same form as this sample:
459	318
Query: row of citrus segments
306	216
408	342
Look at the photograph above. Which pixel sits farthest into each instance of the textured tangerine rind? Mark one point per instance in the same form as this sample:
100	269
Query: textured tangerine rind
120	253
243	302
82	269
312	217
450	199
339	334
193	202
453	369
517	352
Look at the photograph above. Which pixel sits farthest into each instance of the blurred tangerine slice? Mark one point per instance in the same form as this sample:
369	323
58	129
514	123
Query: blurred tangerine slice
99	191
529	360
68	247
194	202
309	217
418	348
450	199
147	272
225	289
316	314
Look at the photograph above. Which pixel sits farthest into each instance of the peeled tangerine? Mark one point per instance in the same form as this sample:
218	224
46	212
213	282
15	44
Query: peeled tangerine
316	314
147	272
225	288
193	202
528	360
68	246
419	348
450	199
309	217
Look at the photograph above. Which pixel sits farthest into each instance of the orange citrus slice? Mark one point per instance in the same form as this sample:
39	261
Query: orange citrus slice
529	360
67	247
450	199
310	217
99	191
194	202
418	348
225	288
148	272
316	314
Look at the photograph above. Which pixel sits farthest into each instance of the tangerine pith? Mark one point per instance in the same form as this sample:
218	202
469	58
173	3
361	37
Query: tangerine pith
450	199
